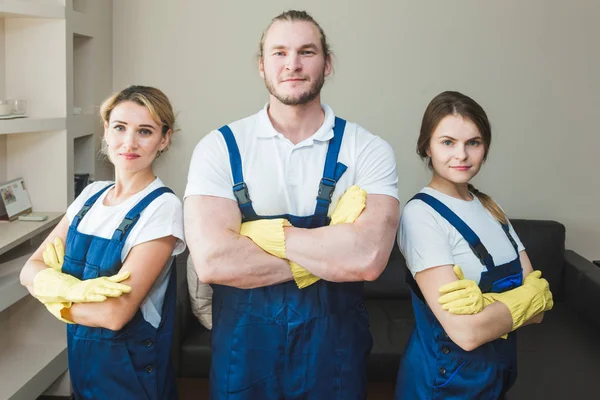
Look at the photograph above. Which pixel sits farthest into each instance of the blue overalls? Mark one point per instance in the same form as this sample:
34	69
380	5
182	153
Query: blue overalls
134	362
280	342
432	366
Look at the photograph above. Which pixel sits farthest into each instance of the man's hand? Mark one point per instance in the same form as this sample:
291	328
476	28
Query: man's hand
349	207
267	234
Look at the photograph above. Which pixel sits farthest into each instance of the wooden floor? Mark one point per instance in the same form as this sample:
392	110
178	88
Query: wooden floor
197	389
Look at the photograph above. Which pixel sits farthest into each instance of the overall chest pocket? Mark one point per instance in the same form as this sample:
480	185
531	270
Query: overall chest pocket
90	271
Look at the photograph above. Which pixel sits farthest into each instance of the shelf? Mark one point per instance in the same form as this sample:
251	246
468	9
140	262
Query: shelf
28	9
81	125
16	232
33	352
27	370
80	24
21	125
11	289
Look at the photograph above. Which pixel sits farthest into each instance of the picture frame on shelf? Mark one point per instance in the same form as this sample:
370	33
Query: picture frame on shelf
15	202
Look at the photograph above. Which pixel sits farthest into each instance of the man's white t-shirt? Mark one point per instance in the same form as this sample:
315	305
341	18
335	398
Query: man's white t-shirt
283	178
428	240
162	217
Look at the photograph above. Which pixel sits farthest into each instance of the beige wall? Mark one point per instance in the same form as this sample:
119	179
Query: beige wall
532	65
2	95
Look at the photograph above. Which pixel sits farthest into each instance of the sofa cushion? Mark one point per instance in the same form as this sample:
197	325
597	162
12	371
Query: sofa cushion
392	282
200	295
557	359
563	348
544	243
195	352
391	321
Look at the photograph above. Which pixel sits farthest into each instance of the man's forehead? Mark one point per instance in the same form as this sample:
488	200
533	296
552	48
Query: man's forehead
292	34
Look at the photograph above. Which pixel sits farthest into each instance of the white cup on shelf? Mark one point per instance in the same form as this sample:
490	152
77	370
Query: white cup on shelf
18	107
5	108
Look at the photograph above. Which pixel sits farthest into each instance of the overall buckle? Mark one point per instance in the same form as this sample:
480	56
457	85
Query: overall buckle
326	189
127	223
240	191
480	251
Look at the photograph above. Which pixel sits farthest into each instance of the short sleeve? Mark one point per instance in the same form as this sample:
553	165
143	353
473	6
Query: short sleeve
85	194
424	242
210	172
376	167
163	217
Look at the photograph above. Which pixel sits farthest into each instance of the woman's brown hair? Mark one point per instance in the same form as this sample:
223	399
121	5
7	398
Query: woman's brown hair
455	103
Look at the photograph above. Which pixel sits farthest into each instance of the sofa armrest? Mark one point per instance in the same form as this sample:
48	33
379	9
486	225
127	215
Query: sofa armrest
183	310
582	287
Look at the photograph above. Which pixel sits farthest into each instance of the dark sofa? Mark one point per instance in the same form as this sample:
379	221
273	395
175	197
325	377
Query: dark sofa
558	359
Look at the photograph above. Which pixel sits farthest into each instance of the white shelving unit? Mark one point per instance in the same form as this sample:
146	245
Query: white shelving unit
14	233
82	125
32	342
33	350
57	55
20	125
11	289
31	9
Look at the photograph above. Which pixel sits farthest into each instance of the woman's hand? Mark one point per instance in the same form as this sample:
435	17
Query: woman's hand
461	297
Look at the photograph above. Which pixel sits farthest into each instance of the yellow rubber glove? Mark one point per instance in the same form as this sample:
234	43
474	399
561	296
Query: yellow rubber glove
54	255
267	234
528	300
52	286
55	309
350	205
462	296
302	276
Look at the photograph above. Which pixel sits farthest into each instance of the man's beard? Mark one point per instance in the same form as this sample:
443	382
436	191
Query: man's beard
302	99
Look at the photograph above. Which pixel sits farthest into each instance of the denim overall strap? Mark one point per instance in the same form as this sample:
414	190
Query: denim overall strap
471	237
332	171
87	205
240	189
133	215
506	230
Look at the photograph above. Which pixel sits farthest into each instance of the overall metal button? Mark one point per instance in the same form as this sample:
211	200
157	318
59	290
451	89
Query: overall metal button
443	371
149	369
148	343
445	350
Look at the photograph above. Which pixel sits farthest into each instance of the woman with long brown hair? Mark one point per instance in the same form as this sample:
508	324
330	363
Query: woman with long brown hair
472	283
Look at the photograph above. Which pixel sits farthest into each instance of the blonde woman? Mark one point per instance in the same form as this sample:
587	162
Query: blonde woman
116	287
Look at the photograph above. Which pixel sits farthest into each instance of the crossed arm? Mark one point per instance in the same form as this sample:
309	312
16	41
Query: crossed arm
469	331
346	252
145	262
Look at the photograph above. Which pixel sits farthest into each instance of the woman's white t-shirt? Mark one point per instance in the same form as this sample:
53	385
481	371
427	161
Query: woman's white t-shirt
428	240
162	217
